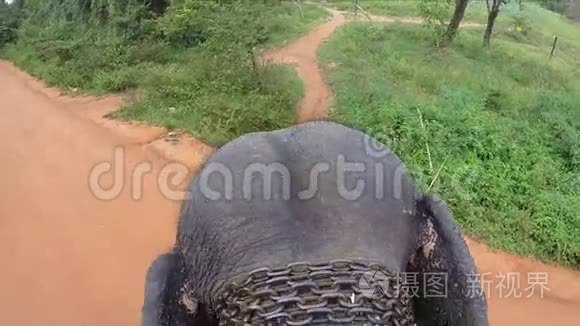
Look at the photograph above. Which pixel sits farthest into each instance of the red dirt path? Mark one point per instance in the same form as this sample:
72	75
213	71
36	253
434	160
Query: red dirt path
68	257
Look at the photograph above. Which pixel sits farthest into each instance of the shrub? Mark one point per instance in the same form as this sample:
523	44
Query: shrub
7	35
137	24
186	25
436	13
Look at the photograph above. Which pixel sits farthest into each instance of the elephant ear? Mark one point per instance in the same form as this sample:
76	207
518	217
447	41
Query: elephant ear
155	285
168	300
449	289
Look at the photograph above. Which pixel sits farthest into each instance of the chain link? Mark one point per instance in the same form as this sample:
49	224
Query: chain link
303	294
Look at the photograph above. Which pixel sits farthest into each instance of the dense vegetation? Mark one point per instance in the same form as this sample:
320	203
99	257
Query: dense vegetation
9	20
502	125
195	65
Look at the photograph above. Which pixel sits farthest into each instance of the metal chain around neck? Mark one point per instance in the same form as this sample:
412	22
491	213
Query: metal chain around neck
304	294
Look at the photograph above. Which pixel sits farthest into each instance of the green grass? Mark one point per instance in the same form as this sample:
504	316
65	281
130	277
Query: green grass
216	109
196	59
287	24
504	124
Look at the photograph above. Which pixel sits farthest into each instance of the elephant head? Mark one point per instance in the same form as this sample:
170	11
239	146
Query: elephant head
268	204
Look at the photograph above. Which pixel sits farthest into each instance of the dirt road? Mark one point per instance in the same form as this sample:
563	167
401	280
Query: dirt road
70	258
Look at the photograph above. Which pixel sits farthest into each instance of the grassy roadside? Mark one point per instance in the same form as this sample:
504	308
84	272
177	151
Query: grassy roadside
195	67
219	108
503	124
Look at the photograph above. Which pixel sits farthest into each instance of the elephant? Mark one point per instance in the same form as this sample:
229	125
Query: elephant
290	227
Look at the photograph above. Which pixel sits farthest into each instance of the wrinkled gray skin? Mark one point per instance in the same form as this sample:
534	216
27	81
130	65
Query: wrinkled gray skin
221	239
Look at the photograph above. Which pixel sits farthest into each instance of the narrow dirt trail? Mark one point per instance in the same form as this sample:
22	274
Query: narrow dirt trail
303	56
560	303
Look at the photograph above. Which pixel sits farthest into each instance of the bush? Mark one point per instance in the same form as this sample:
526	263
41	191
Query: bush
186	25
436	13
137	24
7	35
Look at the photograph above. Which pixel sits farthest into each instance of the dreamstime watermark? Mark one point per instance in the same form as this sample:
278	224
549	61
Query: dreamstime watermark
168	178
371	175
375	285
277	180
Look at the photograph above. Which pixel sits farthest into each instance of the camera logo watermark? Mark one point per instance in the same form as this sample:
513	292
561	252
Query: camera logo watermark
373	284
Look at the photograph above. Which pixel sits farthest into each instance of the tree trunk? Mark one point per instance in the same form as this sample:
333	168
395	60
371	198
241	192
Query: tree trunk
460	6
494	12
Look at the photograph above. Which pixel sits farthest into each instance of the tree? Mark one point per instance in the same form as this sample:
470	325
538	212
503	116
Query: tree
458	13
493	7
